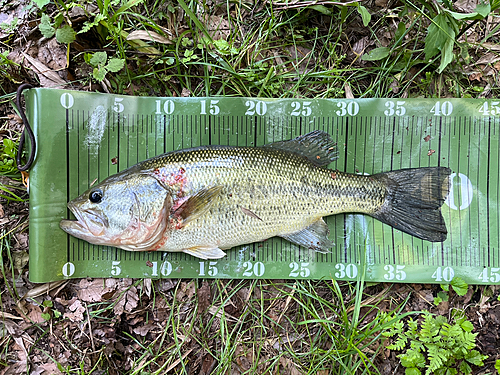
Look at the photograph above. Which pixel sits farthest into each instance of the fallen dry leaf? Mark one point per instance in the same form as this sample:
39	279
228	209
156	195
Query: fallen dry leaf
47	77
143	330
127	302
77	311
147	35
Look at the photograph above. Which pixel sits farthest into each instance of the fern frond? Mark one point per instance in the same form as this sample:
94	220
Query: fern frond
437	357
399	344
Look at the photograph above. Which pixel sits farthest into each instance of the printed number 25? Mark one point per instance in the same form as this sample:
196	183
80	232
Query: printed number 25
303	109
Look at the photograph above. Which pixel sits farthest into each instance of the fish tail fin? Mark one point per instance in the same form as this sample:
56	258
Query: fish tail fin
413	202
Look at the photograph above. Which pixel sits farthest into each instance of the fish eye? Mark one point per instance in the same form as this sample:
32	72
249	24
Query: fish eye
95	196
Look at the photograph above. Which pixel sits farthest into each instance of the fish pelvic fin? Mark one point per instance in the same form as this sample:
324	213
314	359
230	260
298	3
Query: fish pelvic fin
413	202
318	147
205	252
315	237
196	205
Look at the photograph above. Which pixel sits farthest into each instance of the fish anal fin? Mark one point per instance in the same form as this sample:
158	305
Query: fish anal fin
315	236
196	205
205	252
318	147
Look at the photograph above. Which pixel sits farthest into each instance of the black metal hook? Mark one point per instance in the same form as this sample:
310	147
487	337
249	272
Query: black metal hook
27	127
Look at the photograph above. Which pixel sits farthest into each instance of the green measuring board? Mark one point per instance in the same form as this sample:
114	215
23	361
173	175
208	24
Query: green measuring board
82	137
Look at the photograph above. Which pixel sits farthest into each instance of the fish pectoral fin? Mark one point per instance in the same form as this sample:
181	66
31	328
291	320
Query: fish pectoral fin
318	147
205	252
315	236
196	205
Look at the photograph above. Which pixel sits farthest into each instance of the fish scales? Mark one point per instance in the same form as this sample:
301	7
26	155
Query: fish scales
286	191
209	198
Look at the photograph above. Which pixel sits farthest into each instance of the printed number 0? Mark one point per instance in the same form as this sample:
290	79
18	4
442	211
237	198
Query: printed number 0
68	269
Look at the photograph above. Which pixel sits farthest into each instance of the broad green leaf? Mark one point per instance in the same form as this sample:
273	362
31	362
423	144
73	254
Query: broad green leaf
99	74
98	59
412	371
45	27
115	65
446	59
41	3
459	286
400	31
376	54
322	9
483	8
65	34
475	358
497	365
45	316
365	15
467	326
222	46
437	35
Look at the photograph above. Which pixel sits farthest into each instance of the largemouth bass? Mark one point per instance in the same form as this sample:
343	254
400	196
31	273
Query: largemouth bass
207	199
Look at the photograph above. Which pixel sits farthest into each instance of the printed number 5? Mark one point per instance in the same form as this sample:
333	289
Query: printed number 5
118	106
115	268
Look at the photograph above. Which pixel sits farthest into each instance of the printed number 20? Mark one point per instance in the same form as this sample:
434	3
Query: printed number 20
256	269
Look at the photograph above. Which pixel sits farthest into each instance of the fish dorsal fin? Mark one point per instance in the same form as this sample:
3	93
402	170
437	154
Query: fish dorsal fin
205	252
318	147
315	236
196	205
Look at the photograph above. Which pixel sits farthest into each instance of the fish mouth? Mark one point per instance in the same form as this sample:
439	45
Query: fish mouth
86	223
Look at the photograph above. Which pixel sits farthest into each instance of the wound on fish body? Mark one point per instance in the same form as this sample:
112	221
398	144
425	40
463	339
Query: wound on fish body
204	200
